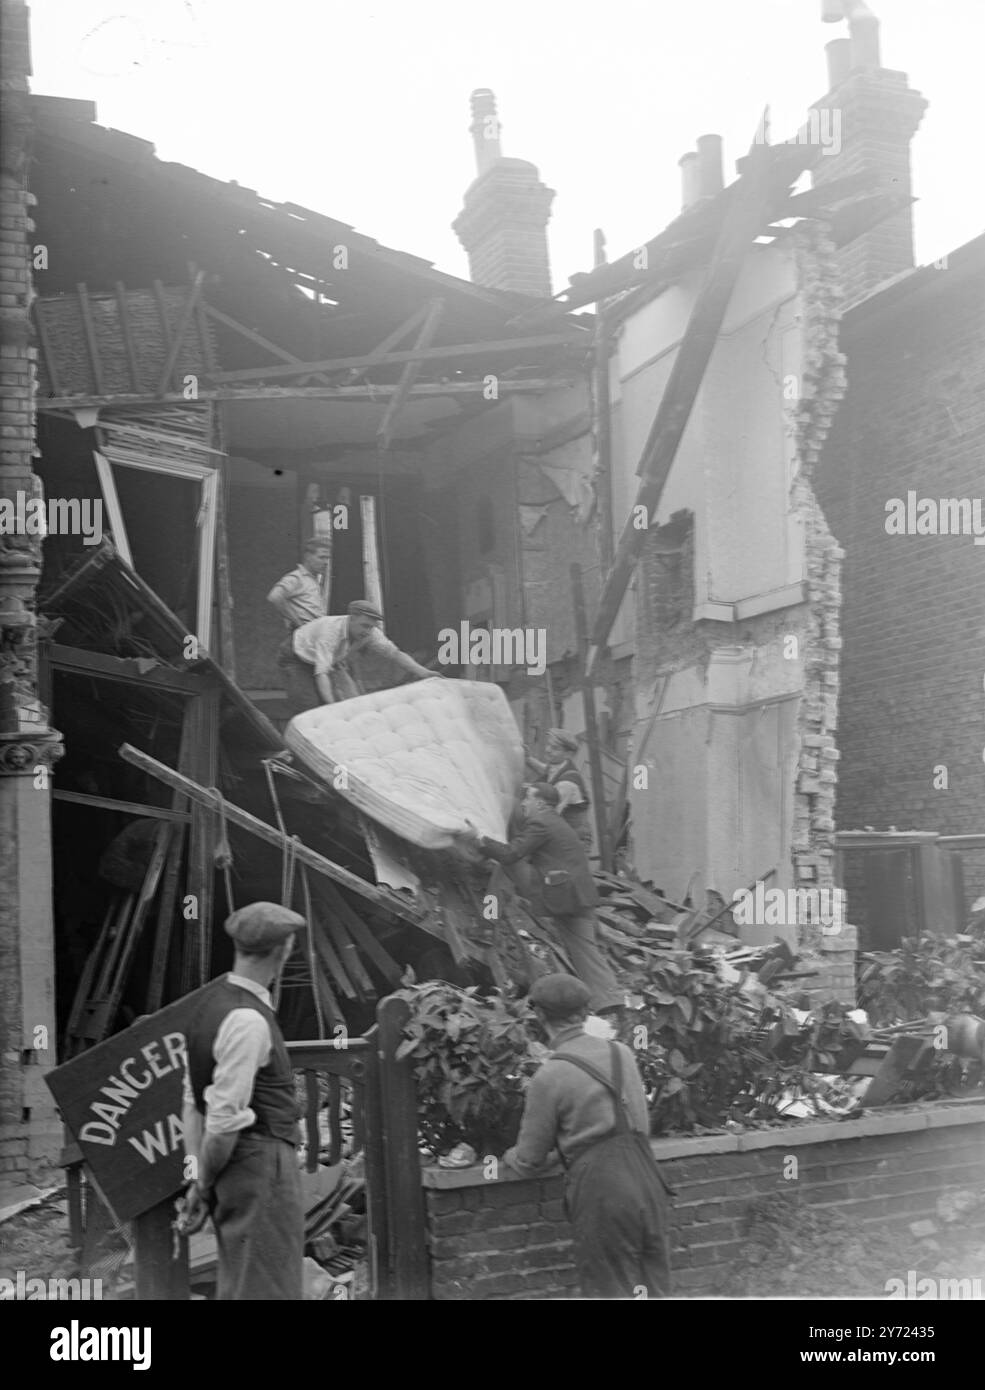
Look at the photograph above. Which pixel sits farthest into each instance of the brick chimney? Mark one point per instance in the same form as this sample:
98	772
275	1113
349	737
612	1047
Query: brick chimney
503	222
870	116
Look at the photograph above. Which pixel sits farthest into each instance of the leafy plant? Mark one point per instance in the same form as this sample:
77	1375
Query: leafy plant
927	975
709	1055
471	1058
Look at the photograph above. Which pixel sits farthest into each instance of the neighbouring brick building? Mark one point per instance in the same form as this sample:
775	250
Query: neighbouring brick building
913	618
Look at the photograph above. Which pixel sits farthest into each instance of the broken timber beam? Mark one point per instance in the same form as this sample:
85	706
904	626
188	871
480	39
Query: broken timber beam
408	376
177	342
591	724
359	394
742	221
434	354
381	897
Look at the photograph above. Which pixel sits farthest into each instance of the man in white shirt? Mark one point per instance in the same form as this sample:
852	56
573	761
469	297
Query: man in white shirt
299	598
327	645
240	1116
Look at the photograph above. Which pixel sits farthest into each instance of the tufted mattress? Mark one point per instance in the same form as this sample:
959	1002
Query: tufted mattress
421	758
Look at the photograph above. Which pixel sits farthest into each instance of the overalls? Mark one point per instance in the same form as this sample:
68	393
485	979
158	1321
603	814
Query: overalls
616	1201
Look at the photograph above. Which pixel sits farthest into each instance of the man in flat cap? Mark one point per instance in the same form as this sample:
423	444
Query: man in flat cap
326	647
586	1107
300	598
240	1116
566	888
558	768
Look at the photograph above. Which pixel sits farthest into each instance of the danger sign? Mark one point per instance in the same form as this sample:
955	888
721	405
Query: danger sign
121	1101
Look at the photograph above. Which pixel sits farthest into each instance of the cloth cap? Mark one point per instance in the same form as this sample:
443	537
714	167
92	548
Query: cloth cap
560	995
567	741
316	543
260	927
546	792
363	608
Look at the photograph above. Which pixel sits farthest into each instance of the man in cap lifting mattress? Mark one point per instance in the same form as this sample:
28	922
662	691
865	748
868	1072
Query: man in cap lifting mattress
326	646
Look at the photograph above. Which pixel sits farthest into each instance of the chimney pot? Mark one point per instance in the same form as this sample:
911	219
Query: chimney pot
690	179
710	178
485	129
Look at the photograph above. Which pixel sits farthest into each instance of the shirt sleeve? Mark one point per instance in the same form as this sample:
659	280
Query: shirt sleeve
241	1048
530	838
538	1128
569	795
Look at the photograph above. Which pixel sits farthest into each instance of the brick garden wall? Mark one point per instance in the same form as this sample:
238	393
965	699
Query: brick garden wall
508	1238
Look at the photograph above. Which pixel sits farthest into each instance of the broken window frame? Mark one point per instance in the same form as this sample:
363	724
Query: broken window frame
206	522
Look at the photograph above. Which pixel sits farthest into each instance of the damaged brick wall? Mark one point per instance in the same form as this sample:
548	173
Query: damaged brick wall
821	389
509	1240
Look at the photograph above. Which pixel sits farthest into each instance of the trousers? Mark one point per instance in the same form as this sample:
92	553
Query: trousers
259	1222
579	936
299	681
617	1208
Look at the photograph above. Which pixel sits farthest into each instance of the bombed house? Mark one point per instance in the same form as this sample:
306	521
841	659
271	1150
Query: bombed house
628	509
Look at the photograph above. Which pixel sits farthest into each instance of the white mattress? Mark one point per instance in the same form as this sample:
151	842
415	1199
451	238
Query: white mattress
421	758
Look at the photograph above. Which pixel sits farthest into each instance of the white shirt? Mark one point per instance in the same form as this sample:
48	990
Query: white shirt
325	642
241	1047
302	595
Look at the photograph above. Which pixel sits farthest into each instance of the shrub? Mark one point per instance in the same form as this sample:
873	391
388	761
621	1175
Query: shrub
471	1058
931	974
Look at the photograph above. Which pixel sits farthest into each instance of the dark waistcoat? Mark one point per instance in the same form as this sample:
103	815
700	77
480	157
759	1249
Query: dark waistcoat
273	1100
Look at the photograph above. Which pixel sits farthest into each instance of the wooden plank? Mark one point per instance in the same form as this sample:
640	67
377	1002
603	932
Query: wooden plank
202	796
54	380
158	1274
133	361
372	579
408	1258
408	376
591	723
370	1118
181	332
434	354
329	960
350	956
109	803
127	669
90	335
363	936
369	395
202	763
602	421
739	226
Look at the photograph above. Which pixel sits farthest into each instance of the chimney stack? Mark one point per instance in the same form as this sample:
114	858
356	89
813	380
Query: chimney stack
710	178
874	114
690	180
503	222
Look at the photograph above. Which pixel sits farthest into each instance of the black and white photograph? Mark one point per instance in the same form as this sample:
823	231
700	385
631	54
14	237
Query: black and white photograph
492	667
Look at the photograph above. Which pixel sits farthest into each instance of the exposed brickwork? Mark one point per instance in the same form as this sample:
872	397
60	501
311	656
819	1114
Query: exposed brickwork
914	607
879	114
509	1240
503	227
26	743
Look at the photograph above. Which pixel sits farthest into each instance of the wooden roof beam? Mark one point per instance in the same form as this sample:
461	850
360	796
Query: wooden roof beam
433	354
425	337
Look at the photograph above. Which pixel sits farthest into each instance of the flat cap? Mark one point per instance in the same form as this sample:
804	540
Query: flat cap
365	609
567	741
560	995
259	927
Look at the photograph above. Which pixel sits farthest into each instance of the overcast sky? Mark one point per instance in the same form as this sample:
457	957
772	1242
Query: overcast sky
361	110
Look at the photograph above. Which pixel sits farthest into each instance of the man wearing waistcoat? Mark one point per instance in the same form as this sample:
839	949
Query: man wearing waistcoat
240	1116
